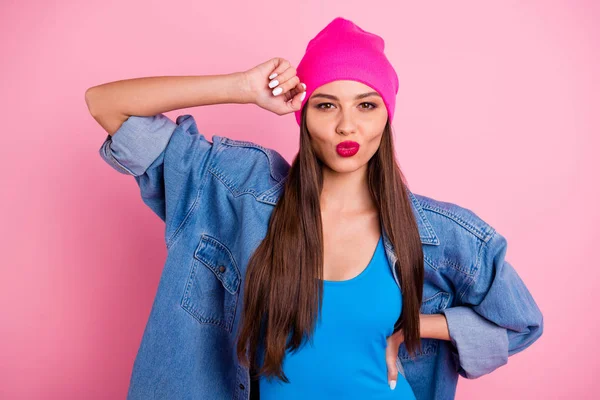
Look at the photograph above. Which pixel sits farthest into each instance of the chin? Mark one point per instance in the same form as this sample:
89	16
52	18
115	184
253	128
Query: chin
344	165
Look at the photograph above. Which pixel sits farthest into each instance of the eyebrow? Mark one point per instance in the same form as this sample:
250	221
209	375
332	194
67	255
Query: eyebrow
332	97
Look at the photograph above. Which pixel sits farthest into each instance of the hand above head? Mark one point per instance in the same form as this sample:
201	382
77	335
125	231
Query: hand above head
282	97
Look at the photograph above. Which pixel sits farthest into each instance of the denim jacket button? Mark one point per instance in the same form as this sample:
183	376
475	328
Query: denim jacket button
222	268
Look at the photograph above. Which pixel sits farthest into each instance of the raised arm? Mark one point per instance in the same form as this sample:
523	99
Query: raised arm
168	158
112	103
272	85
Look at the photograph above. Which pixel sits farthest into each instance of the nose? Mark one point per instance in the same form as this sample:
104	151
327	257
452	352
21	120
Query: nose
346	125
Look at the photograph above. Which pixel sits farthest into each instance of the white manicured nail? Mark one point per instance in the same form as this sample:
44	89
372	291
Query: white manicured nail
273	75
273	83
277	91
302	96
392	385
303	85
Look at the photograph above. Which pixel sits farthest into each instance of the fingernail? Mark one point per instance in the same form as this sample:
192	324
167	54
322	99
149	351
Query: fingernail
302	96
273	75
273	83
303	85
277	91
392	385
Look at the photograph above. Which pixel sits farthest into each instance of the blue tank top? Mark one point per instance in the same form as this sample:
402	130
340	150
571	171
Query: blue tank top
346	359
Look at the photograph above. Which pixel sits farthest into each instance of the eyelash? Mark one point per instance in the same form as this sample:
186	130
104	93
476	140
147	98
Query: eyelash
327	108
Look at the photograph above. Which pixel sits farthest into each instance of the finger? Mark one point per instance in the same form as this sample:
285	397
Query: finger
286	80
392	376
289	85
296	102
392	369
297	88
279	66
288	73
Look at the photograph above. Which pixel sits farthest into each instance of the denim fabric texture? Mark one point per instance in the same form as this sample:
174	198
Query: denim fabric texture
216	199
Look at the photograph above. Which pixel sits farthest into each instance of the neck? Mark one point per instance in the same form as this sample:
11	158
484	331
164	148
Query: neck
346	192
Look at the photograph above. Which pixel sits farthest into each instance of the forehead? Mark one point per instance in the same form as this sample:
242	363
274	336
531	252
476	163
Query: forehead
344	87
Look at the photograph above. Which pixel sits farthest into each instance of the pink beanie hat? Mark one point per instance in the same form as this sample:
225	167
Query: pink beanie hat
344	51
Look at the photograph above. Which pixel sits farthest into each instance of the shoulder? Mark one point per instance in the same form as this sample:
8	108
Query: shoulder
446	217
461	236
256	153
246	166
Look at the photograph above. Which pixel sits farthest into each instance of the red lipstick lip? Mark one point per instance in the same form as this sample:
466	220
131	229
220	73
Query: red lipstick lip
347	148
348	144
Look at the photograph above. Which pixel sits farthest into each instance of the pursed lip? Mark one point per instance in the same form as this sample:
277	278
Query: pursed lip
347	144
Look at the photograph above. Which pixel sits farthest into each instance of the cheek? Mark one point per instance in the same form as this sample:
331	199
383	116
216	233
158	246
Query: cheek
374	145
316	141
316	123
321	146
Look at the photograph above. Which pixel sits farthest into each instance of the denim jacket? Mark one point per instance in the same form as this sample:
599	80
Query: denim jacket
216	199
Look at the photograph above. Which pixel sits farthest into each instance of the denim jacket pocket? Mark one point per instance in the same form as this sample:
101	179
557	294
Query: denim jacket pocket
211	291
429	347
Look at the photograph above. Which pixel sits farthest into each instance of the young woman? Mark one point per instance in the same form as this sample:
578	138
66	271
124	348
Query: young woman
326	278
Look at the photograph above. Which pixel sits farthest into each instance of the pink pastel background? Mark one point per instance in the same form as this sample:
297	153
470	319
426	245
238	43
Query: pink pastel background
498	111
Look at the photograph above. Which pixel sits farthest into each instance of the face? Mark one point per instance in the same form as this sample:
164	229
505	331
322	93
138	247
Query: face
345	111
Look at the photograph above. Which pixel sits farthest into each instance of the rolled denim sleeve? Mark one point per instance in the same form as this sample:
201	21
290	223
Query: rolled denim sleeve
137	143
497	318
166	159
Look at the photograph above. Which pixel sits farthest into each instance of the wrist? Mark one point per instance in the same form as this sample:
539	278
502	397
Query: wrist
245	94
434	326
424	333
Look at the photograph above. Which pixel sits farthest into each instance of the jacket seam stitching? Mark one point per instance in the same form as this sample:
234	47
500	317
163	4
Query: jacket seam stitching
447	262
475	277
172	239
264	150
460	221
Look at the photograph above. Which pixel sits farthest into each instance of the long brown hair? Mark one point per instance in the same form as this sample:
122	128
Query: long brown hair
281	295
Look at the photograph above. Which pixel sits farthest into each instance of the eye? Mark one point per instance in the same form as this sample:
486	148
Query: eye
371	106
322	104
